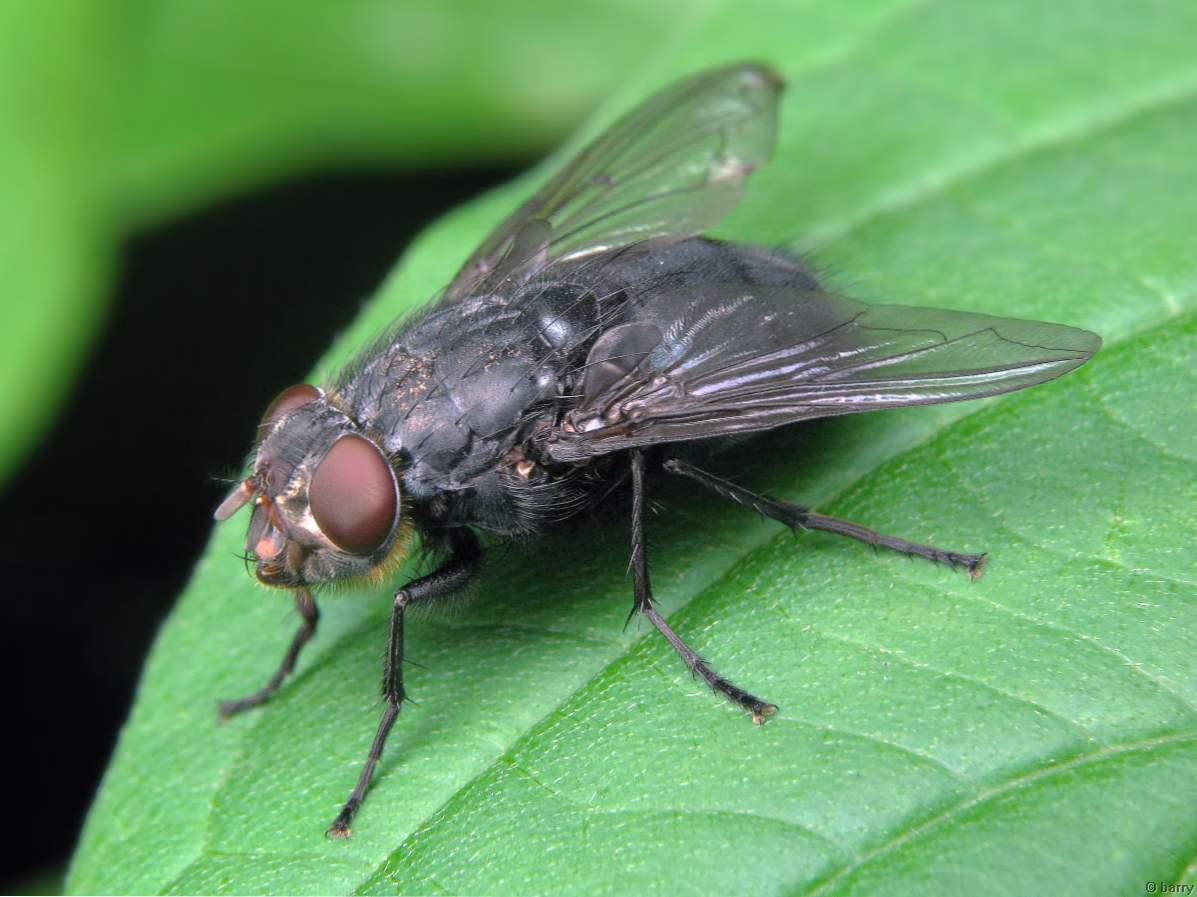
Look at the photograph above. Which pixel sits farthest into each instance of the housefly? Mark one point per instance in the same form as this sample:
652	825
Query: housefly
593	326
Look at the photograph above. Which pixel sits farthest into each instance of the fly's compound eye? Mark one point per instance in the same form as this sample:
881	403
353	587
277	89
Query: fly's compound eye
285	402
353	495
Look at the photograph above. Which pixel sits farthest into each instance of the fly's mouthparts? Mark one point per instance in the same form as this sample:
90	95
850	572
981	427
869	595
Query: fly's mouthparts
270	545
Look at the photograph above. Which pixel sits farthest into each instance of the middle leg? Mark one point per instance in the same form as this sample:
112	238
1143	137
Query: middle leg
644	604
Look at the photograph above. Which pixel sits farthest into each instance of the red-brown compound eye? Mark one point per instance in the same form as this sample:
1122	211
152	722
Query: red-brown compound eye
286	402
353	495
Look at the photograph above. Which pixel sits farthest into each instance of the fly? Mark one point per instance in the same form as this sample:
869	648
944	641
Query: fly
592	332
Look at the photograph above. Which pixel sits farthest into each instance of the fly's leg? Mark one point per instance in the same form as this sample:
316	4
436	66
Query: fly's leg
450	577
798	517
310	614
644	605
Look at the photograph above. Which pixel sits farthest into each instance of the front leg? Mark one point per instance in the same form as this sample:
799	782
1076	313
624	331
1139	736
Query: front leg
447	579
305	605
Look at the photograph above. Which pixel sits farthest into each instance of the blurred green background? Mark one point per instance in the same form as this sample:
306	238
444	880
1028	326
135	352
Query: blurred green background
118	116
196	199
162	280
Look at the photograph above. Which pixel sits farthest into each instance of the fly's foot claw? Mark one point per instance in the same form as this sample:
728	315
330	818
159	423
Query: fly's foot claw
762	712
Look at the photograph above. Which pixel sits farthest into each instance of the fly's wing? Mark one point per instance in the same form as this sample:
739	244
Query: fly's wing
727	358
671	168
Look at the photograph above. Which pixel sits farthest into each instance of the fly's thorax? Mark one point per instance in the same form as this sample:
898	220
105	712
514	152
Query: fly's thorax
453	392
326	498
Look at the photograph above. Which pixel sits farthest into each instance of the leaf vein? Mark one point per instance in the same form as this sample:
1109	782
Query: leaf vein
902	657
1021	780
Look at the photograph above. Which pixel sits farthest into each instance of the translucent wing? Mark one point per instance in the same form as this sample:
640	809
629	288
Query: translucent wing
671	168
733	359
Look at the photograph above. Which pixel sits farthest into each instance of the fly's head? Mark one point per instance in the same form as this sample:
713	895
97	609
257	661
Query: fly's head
326	500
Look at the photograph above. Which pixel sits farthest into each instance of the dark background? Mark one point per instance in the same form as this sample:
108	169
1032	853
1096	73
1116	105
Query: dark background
212	315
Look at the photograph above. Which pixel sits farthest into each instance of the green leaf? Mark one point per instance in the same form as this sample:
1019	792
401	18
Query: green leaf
1035	732
55	252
